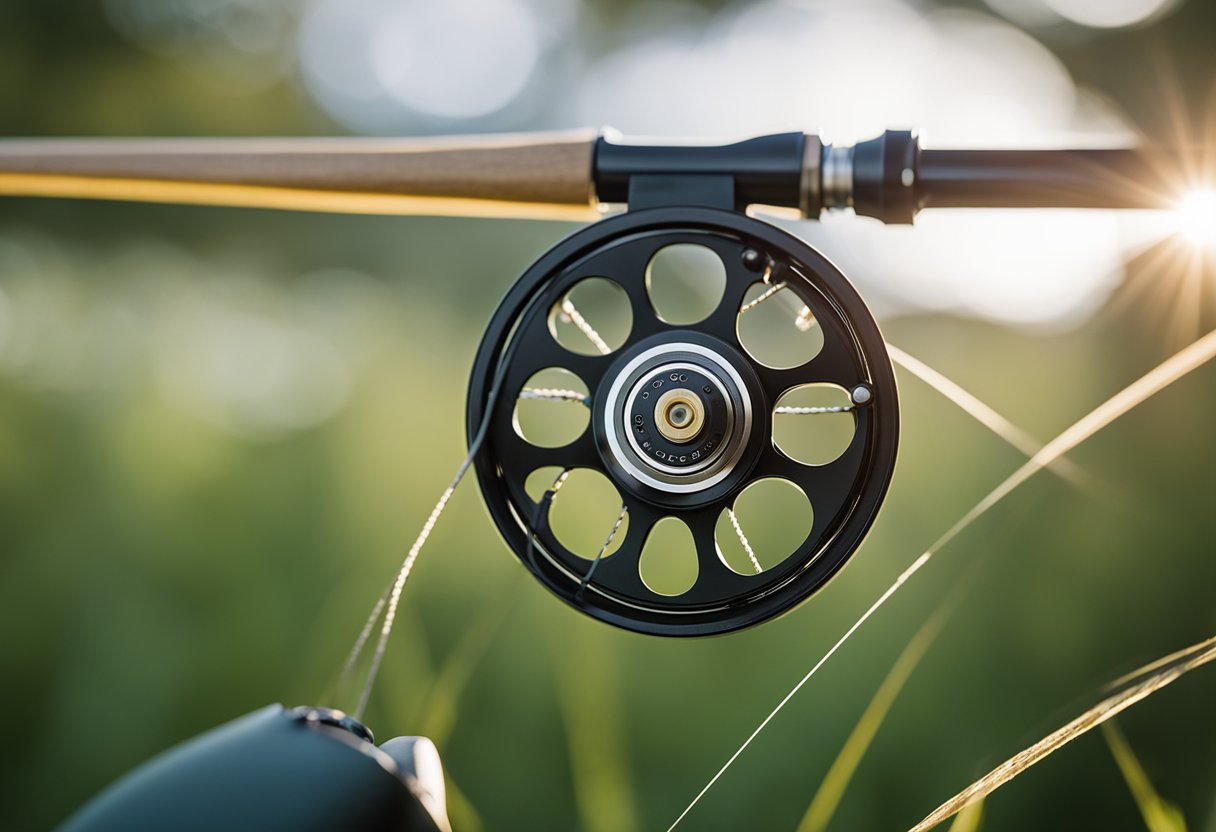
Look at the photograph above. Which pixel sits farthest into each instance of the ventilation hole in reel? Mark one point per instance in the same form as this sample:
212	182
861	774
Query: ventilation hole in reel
806	434
593	318
548	412
776	328
775	518
685	283
583	513
668	564
542	480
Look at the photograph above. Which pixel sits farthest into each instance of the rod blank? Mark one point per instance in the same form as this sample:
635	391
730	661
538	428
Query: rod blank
1125	178
892	177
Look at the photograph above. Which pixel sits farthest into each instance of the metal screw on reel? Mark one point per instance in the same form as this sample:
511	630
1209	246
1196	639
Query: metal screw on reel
681	420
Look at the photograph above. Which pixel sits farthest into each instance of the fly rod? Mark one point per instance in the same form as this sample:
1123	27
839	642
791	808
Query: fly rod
571	175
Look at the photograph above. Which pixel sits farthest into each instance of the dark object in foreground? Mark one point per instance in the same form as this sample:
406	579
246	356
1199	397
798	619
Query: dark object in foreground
278	769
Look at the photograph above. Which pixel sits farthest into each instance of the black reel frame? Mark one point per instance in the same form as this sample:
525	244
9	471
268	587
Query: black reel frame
845	494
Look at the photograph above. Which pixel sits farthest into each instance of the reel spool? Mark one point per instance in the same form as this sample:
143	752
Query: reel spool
681	419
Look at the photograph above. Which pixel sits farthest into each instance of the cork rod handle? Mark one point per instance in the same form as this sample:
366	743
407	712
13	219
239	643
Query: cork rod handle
545	175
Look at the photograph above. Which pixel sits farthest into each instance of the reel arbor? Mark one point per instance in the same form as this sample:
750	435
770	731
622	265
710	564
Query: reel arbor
680	416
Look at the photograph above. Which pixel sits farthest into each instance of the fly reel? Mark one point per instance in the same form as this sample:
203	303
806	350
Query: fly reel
680	418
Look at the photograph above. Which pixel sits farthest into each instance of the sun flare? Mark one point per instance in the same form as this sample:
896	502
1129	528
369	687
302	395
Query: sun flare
1197	218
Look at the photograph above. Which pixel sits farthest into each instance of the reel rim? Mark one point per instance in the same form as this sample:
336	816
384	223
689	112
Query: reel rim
808	574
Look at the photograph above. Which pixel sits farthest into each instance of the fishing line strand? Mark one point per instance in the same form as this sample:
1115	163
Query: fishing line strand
584	327
394	598
540	515
747	547
555	394
763	296
365	633
909	572
805	411
582	586
389	602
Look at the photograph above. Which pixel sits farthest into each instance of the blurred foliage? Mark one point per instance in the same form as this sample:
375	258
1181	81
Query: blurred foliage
1159	815
176	552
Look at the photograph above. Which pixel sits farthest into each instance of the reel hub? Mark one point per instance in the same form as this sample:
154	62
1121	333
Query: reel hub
676	418
680	420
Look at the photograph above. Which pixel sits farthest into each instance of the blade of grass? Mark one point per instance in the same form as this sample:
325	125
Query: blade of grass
970	819
1159	816
1141	390
981	412
591	706
968	403
439	712
1140	672
460	809
831	789
1145	685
